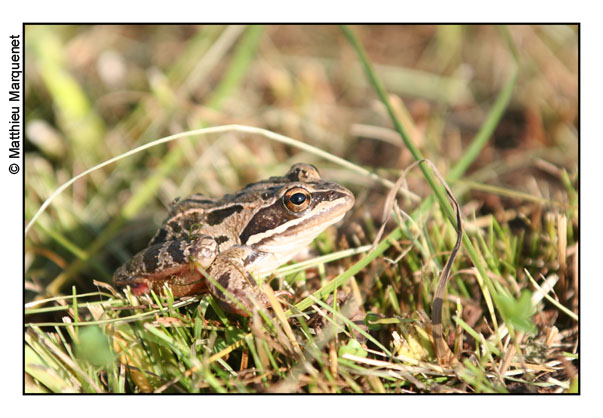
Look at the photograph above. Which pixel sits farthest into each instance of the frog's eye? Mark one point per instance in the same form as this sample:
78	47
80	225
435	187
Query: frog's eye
297	199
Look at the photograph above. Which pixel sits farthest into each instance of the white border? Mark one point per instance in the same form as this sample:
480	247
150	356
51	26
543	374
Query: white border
313	10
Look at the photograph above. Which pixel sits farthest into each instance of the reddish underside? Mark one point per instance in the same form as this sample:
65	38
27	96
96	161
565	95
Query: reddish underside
184	283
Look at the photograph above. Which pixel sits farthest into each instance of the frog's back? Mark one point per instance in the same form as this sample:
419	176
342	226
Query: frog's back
185	217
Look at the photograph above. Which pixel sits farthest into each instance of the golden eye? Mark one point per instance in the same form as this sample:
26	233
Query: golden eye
297	199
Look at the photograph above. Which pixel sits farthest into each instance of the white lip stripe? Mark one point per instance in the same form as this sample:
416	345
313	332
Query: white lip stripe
301	238
323	206
281	252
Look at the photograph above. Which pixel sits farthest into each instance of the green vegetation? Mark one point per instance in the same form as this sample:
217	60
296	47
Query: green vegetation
175	110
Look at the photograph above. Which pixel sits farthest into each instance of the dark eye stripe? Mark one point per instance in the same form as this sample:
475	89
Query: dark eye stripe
266	219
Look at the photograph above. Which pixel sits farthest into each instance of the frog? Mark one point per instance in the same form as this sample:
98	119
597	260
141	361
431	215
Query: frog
223	245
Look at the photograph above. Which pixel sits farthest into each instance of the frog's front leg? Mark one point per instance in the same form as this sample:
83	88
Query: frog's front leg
230	270
170	262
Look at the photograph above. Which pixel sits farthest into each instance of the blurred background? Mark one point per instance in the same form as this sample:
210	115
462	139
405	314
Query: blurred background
95	92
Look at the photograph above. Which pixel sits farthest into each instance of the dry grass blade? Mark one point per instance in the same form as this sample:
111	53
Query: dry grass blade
445	356
210	131
280	315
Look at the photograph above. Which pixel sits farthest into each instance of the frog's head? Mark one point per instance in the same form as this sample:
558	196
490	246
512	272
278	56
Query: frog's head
297	208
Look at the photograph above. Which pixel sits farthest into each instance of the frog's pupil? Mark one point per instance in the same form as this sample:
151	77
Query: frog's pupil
298	198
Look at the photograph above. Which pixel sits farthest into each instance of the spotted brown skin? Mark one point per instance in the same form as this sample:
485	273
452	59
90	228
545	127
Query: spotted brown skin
236	238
